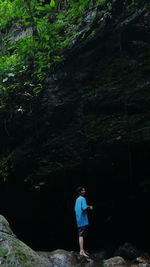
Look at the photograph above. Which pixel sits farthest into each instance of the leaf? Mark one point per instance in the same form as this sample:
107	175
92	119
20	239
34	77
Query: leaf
40	8
11	74
52	3
5	80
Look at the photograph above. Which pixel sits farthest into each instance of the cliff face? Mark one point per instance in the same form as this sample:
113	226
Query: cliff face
96	109
92	123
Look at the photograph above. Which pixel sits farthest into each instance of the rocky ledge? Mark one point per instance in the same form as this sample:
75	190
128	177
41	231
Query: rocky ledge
14	252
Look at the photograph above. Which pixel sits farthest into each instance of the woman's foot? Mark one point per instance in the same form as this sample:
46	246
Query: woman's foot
82	253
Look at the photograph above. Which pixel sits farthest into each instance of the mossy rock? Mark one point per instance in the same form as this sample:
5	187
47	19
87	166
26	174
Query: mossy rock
14	252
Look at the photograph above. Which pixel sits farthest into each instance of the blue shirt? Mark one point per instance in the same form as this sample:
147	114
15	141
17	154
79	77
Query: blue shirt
81	212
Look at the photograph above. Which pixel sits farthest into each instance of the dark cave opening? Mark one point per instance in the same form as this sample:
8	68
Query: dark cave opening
44	219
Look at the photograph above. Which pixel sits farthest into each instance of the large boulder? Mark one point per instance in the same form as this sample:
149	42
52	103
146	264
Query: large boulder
14	252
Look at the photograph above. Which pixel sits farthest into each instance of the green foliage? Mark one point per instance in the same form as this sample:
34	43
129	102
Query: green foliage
52	3
10	10
31	50
27	57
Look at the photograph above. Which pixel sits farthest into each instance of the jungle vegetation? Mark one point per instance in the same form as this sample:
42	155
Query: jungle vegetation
34	33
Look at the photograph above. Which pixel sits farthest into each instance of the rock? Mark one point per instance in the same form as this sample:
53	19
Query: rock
127	251
4	226
63	258
14	252
115	261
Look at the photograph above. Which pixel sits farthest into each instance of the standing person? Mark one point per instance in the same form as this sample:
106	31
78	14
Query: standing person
81	209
